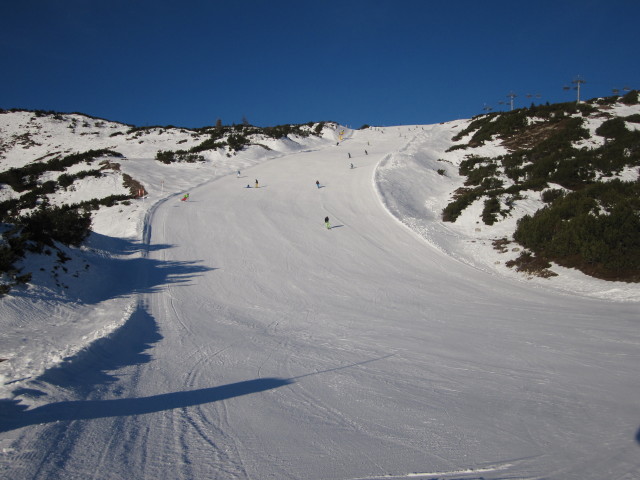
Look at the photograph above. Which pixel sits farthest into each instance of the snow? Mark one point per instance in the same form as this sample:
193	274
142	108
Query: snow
234	336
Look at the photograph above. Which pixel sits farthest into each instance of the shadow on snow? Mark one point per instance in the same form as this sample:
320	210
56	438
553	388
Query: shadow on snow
117	268
82	372
92	409
126	346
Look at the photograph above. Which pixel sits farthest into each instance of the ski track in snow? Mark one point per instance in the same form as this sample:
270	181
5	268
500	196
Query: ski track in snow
363	352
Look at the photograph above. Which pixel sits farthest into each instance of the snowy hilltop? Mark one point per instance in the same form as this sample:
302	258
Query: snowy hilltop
229	333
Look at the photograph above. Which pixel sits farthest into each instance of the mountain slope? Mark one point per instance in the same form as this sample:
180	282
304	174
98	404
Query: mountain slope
259	344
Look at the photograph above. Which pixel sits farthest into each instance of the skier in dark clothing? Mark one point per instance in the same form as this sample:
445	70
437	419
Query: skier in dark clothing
318	183
326	222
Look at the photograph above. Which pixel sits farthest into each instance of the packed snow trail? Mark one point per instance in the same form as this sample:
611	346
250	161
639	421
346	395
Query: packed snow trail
359	352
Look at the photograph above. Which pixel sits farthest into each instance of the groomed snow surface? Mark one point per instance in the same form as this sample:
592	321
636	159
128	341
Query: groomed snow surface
239	338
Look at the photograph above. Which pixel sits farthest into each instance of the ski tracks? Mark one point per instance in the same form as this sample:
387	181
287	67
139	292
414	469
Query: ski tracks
200	431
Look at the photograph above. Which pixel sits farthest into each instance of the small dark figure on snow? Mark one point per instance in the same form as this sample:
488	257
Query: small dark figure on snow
326	222
318	183
256	183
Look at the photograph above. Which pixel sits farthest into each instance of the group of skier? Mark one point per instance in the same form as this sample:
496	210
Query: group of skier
257	185
326	219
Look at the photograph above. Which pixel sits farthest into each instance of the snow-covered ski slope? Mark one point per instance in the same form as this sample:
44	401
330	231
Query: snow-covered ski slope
263	346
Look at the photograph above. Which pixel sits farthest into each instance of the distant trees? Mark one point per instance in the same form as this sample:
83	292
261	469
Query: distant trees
236	138
169	156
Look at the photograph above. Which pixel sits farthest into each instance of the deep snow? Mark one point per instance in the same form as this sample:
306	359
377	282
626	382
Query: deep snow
238	338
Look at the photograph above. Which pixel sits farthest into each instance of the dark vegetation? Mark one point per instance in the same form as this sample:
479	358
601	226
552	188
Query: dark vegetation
45	225
235	138
589	224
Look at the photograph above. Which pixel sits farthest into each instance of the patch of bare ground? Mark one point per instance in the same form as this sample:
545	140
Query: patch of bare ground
532	265
533	135
501	244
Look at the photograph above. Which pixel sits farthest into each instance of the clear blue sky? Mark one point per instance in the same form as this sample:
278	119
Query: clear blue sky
190	62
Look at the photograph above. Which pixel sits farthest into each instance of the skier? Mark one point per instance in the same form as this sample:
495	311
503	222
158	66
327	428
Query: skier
238	174
326	222
256	183
318	183
185	198
248	186
349	155
352	166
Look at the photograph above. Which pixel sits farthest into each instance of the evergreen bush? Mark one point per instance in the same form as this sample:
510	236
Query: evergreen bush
490	210
630	98
60	223
596	229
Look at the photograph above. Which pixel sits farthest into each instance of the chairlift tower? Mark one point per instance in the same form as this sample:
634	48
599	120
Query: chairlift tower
511	96
578	81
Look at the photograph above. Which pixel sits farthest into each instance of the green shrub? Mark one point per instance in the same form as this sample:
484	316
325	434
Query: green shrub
237	142
464	198
490	210
61	223
26	178
209	144
548	196
8	257
596	230
630	98
65	180
613	128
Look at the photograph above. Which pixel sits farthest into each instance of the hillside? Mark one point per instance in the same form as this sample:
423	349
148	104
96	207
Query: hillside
583	160
62	169
234	336
567	159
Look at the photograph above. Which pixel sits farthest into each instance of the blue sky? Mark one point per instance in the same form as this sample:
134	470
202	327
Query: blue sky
191	62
